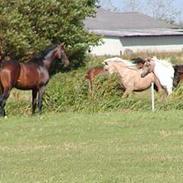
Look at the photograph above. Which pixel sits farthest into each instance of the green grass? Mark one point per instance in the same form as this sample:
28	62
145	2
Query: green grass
111	147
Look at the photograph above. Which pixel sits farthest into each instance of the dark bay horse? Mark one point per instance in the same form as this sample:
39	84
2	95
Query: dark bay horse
33	75
139	62
178	74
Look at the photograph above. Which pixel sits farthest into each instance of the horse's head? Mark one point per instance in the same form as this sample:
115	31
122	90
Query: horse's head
139	62
109	67
60	53
147	67
176	78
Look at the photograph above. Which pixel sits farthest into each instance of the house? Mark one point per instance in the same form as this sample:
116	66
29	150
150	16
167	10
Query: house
128	32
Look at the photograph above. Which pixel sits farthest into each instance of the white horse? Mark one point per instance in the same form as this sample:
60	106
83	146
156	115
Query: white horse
163	70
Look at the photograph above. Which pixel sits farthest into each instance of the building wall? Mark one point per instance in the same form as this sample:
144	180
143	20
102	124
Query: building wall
110	46
116	46
152	41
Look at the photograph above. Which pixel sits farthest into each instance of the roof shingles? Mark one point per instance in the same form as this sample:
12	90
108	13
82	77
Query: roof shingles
123	23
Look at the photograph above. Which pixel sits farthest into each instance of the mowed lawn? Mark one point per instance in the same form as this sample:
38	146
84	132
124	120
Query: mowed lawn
92	148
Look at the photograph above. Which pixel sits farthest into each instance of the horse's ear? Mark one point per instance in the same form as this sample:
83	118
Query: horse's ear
148	59
62	45
105	62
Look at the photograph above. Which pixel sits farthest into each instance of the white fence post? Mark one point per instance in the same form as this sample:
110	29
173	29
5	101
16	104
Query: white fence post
152	97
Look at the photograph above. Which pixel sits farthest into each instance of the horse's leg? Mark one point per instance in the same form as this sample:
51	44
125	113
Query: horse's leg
158	84
90	84
2	113
34	101
126	93
3	98
169	90
40	98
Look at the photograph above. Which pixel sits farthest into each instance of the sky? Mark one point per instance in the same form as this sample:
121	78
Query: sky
178	5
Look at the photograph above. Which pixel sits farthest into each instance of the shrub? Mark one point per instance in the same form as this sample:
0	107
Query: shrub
26	27
69	92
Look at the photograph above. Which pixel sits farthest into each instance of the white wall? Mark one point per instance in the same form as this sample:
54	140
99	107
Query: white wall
110	46
161	48
113	46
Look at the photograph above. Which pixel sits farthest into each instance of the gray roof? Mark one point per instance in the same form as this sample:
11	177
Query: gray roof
139	32
128	24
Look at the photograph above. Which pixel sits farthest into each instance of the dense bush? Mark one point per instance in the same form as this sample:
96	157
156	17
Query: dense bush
26	27
69	92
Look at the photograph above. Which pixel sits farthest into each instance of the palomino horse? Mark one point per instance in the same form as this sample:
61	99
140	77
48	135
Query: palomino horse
131	77
163	70
33	75
93	72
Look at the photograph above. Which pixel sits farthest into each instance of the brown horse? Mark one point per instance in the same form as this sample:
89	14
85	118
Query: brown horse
178	74
33	75
0	56
131	78
92	73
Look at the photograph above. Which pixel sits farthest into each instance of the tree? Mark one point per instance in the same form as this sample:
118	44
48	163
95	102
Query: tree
107	4
132	5
163	10
29	26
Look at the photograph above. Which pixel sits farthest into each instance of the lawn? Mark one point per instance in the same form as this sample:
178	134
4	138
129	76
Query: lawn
92	148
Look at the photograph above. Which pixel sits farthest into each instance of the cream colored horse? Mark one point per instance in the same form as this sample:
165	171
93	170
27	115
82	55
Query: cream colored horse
130	77
163	70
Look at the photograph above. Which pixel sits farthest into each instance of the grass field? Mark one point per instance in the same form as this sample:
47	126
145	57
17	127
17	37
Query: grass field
112	147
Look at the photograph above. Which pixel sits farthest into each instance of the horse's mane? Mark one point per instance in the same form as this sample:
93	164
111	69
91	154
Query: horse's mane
119	60
113	59
38	58
165	68
164	62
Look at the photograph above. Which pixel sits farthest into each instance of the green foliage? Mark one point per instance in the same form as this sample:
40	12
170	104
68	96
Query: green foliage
29	26
69	92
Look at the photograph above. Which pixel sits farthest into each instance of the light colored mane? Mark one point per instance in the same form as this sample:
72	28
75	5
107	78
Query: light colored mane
164	62
164	71
119	66
119	61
